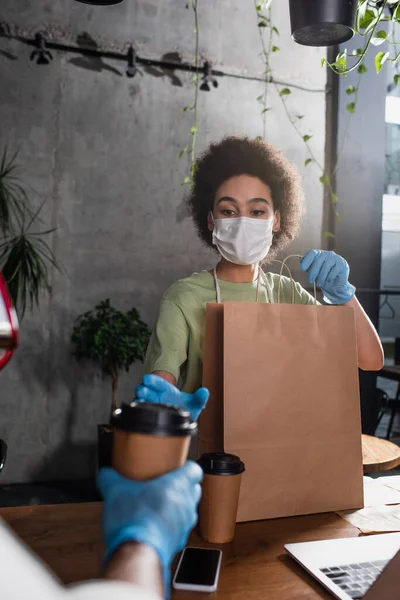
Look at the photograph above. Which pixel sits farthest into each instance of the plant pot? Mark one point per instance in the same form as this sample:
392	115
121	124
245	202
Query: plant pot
3	454
100	2
322	22
105	436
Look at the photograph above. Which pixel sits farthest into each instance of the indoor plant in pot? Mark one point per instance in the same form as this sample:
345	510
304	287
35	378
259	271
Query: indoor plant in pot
113	340
26	259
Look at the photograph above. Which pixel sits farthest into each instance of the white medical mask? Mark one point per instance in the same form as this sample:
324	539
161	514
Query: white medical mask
243	240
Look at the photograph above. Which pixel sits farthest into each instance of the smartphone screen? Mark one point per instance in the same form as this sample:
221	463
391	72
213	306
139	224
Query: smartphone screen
199	567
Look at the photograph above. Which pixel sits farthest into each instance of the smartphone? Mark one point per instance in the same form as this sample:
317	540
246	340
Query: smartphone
198	570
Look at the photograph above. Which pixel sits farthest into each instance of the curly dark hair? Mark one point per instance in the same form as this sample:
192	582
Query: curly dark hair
244	156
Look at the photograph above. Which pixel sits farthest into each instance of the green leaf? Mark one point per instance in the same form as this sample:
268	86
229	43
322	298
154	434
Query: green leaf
329	234
265	110
262	24
367	20
351	108
306	138
323	61
362	69
275	49
396	79
324	179
380	60
181	153
308	161
341	62
334	198
193	130
260	99
285	92
379	37
351	90
357	52
275	30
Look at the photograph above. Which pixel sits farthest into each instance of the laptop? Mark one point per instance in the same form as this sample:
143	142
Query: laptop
353	568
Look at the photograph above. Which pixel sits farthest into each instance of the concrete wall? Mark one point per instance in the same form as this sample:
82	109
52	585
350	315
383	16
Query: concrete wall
103	151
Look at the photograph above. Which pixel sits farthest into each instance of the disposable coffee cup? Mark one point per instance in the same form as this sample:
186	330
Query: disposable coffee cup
150	439
220	499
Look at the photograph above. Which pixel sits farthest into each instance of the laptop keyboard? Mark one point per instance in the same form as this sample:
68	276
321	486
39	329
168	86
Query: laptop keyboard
357	578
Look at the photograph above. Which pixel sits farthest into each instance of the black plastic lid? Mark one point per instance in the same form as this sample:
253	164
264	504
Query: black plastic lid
219	463
153	419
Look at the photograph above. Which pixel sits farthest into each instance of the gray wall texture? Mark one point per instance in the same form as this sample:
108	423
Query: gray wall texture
102	150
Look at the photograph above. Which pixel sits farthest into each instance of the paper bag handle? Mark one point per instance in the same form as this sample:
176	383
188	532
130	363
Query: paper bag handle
283	264
280	275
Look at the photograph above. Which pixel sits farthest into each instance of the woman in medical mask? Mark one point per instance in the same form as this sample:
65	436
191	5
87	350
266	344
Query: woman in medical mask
247	203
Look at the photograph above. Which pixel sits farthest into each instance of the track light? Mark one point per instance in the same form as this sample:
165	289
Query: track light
41	54
131	69
208	78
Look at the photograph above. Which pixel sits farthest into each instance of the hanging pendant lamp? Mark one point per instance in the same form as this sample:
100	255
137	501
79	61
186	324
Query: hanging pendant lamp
322	22
100	2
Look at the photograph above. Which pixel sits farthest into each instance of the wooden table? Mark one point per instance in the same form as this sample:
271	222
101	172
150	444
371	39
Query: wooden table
255	565
379	454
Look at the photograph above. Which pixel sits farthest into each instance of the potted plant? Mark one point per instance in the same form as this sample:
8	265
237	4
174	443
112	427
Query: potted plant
375	25
322	22
113	340
25	257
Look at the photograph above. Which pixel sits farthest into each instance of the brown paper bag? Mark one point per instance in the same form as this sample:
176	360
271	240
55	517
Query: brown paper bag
285	398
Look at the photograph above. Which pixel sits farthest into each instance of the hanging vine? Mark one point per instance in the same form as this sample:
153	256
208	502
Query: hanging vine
191	149
371	14
269	34
263	11
268	30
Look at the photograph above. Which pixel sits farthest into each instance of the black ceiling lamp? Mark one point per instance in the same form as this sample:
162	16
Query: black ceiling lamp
100	2
322	22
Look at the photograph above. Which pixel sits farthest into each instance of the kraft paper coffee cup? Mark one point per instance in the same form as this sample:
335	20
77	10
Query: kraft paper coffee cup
150	439
220	499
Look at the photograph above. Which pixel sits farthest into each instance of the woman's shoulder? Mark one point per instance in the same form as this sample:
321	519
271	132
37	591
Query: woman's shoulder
197	284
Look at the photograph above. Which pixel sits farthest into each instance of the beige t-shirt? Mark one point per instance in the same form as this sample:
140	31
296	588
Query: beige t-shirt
176	344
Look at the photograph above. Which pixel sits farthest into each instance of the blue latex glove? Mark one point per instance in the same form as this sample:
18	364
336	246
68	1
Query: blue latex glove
156	389
331	273
160	513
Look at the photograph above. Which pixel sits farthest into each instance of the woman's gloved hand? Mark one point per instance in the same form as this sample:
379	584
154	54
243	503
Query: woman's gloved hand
156	389
331	273
160	513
